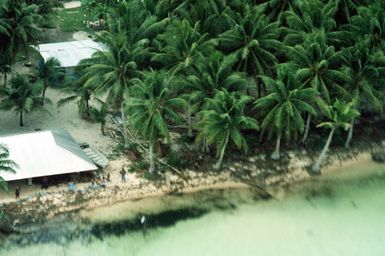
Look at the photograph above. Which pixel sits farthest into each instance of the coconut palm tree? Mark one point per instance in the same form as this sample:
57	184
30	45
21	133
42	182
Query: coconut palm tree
6	165
23	31
21	96
207	76
4	23
222	120
320	66
340	116
253	39
183	45
112	71
287	101
366	72
212	15
99	115
76	92
369	24
314	22
275	9
151	106
5	69
49	72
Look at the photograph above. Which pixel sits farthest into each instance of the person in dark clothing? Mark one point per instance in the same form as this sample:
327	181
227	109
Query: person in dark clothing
123	175
17	192
108	177
44	183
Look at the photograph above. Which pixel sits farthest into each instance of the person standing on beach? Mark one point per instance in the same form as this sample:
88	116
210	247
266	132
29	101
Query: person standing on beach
123	175
17	192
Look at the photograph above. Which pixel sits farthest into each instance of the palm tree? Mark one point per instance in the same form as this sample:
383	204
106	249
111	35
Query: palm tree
369	24
253	39
49	72
21	96
5	69
212	15
6	165
314	23
77	92
222	120
366	81
183	46
99	115
284	106
150	107
340	116
207	76
112	71
277	8
23	31
319	66
4	23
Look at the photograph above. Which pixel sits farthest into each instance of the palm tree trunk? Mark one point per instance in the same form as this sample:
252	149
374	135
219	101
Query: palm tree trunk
218	164
189	133
43	95
350	134
5	80
307	129
21	118
151	153
125	135
102	124
261	135
316	167
276	154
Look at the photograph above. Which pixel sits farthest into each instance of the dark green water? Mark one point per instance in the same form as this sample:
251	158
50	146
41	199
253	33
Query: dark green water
329	217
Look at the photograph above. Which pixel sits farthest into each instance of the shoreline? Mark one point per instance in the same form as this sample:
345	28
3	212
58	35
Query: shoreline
45	206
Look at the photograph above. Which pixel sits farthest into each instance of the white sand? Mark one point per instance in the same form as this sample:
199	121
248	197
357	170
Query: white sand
65	117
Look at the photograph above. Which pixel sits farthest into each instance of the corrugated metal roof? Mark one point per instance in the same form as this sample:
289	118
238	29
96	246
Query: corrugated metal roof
71	53
45	153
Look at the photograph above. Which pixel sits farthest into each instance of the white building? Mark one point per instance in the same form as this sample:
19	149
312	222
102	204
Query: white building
71	53
45	153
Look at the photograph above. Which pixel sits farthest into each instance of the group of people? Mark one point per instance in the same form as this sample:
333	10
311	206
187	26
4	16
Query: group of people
99	182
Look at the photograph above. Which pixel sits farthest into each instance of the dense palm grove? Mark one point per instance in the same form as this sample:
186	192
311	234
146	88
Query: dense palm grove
279	70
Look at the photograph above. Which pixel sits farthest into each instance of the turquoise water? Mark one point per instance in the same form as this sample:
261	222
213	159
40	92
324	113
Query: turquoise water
328	217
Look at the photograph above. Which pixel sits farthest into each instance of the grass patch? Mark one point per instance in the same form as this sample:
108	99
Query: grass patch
71	20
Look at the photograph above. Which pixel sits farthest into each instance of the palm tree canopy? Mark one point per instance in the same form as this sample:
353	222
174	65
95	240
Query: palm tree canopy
340	115
369	24
49	71
285	104
314	23
320	66
21	95
183	45
215	73
366	71
253	40
23	31
152	105
224	117
6	165
112	71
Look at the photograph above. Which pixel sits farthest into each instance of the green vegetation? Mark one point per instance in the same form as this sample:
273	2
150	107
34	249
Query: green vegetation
71	20
6	165
218	68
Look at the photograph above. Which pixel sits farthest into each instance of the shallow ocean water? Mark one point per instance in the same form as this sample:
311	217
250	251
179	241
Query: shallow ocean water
329	217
